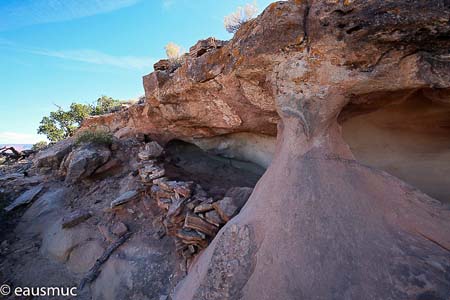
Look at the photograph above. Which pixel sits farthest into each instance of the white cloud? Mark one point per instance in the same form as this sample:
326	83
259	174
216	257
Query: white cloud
9	137
98	58
20	13
86	56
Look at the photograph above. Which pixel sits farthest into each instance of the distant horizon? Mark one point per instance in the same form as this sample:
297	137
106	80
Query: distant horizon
18	146
59	52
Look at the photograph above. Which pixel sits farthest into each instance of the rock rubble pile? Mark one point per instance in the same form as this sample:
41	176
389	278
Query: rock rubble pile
192	217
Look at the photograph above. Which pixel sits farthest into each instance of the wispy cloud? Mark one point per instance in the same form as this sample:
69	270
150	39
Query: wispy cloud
19	13
85	56
98	58
9	137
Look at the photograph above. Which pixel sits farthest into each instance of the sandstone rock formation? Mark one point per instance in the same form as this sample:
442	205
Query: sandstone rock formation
337	229
334	97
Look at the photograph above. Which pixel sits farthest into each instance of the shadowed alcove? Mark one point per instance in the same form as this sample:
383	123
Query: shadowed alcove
405	133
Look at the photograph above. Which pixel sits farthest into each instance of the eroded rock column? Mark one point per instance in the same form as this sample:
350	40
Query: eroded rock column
320	225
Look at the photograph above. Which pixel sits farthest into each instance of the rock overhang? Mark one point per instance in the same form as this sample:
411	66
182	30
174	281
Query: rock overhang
303	62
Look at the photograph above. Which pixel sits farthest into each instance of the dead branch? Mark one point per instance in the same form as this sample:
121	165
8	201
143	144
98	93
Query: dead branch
15	154
95	270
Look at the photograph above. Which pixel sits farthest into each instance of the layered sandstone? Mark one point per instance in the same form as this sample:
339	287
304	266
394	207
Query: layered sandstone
320	224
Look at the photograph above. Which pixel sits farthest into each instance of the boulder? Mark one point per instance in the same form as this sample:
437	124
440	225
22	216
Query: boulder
52	156
151	150
84	161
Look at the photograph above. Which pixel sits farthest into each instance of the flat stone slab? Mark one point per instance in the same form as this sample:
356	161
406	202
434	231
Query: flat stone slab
75	218
124	198
25	198
204	207
196	223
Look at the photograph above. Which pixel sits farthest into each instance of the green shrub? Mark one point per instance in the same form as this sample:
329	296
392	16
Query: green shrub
97	137
39	146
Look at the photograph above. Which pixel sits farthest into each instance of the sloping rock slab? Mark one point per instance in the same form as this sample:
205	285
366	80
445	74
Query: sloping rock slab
124	198
75	218
25	198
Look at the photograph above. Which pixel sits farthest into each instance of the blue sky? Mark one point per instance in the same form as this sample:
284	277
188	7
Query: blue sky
64	51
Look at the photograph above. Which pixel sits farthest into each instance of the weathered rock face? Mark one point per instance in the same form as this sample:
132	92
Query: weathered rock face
224	88
320	225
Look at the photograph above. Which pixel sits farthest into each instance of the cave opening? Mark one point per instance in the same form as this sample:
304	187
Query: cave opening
215	173
405	133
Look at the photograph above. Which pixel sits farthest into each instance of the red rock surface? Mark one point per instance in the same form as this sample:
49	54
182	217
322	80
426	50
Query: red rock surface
319	224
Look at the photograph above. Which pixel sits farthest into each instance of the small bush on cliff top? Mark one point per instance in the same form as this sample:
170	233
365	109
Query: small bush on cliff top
97	137
173	51
233	21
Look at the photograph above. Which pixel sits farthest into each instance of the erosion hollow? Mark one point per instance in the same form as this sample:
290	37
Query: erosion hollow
407	136
213	172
